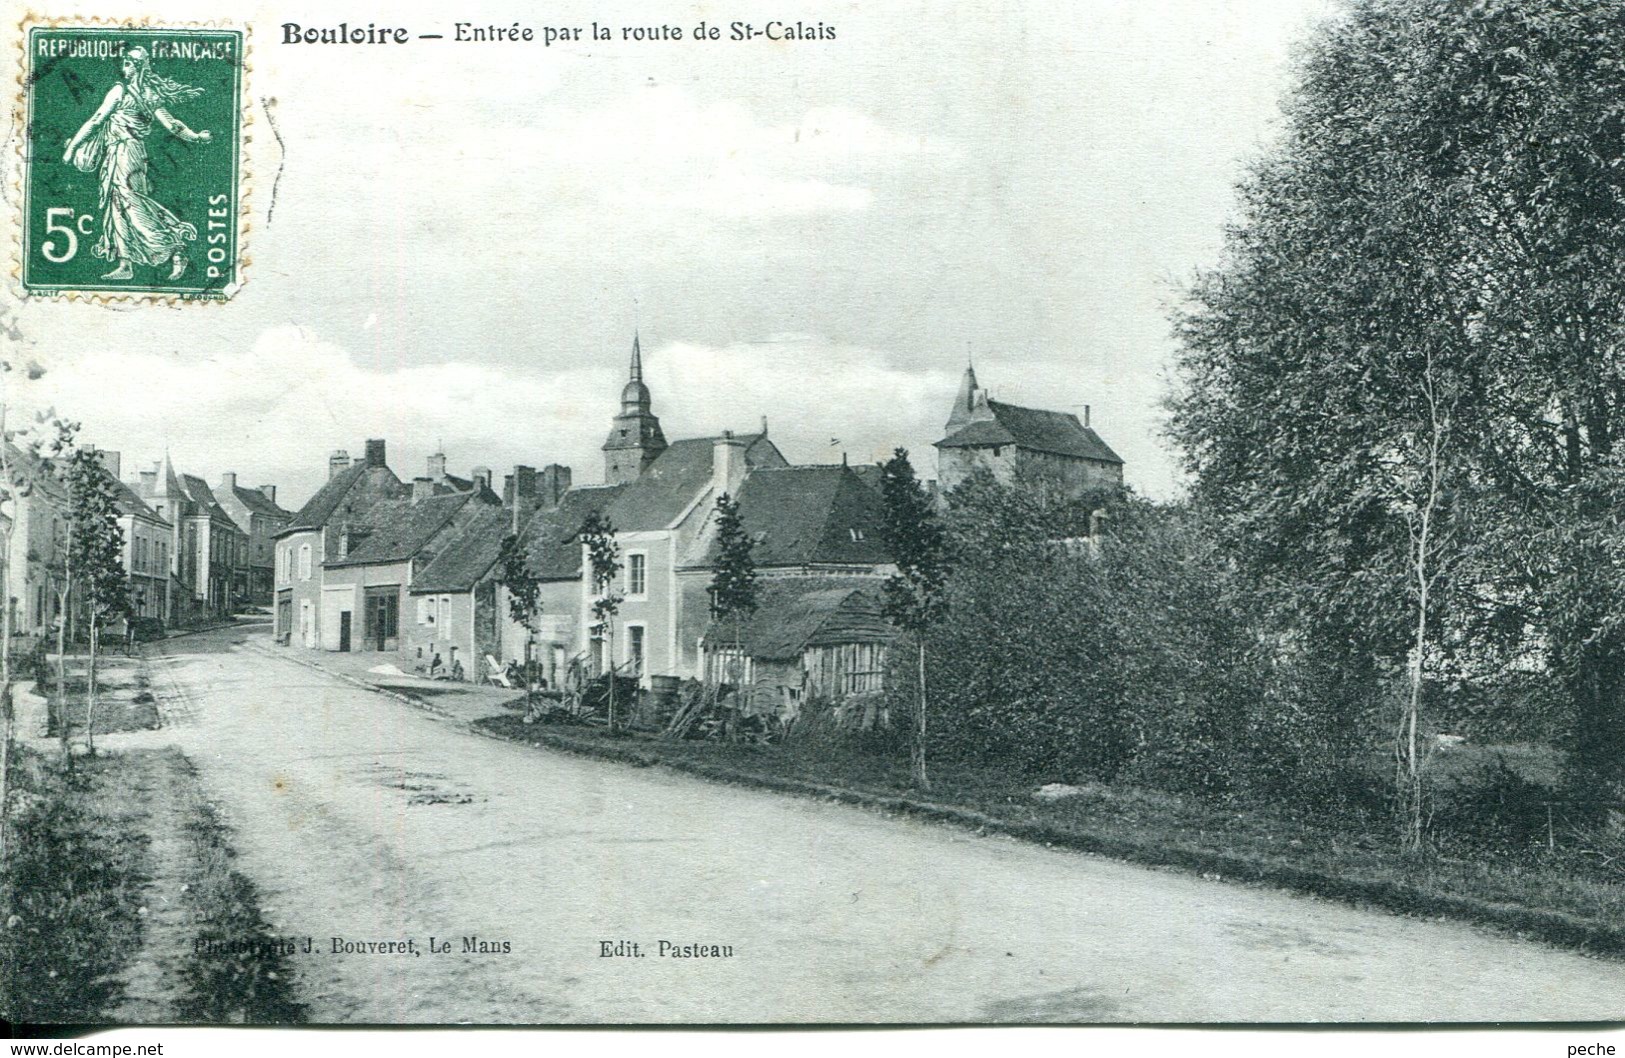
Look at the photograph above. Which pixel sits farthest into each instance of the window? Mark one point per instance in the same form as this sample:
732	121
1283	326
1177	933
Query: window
857	534
445	614
304	561
634	649
425	617
637	573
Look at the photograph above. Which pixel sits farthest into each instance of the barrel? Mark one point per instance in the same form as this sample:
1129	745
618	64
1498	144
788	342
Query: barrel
662	697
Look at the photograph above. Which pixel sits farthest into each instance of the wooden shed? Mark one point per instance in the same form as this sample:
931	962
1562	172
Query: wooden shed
808	637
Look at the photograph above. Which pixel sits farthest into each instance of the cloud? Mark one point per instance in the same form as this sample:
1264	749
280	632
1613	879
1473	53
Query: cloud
661	148
813	392
274	411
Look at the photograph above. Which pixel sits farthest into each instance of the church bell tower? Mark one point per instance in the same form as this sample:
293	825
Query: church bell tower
635	438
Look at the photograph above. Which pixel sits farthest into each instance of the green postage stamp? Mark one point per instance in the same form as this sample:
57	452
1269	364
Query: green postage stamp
133	161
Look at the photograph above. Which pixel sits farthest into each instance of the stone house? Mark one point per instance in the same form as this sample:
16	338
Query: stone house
207	548
807	524
39	541
256	513
365	589
147	539
457	599
806	521
318	531
985	433
658	521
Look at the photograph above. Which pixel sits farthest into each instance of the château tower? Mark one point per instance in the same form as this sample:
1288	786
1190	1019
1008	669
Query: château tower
635	438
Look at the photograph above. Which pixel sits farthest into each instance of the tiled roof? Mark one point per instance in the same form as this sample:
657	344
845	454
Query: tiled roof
258	502
129	503
1057	432
810	515
319	508
401	528
550	537
468	556
792	615
678	477
198	491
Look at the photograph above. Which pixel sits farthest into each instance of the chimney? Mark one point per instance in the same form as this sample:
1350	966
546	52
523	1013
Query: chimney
524	482
149	482
553	483
1086	415
727	464
111	461
482	477
269	492
422	488
228	483
338	462
375	452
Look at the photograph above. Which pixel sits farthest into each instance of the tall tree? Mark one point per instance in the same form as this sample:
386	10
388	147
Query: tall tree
915	594
1446	199
604	567
733	583
96	548
524	588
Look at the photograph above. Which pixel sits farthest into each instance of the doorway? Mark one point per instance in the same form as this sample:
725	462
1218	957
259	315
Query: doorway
344	630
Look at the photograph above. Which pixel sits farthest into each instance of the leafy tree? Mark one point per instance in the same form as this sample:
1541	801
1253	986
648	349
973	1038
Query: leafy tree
524	590
95	550
1444	213
604	566
1131	654
916	593
733	584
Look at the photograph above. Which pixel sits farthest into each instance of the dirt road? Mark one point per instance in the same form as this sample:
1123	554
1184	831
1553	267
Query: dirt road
367	820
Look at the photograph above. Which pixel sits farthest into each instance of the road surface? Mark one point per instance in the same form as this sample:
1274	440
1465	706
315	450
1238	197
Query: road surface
365	819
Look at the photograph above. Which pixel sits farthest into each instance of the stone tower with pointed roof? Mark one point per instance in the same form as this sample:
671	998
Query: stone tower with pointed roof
635	438
984	434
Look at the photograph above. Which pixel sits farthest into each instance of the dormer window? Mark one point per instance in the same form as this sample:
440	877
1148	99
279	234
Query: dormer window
857	534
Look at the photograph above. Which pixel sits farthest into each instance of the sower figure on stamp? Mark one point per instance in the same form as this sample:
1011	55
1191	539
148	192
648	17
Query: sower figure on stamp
135	228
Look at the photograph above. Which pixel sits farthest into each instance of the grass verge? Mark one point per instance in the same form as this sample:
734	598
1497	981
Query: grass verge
1547	899
232	972
71	890
84	857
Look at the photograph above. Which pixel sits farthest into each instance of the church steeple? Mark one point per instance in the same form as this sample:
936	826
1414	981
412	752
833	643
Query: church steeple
635	437
964	402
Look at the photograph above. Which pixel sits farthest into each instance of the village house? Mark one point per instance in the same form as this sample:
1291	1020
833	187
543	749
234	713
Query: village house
458	601
658	521
1002	438
38	517
806	521
147	540
256	513
380	555
207	549
318	531
807	524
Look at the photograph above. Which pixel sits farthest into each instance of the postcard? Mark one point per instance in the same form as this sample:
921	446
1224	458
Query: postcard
808	513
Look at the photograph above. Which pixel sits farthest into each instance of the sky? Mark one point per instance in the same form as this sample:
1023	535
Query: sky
452	244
